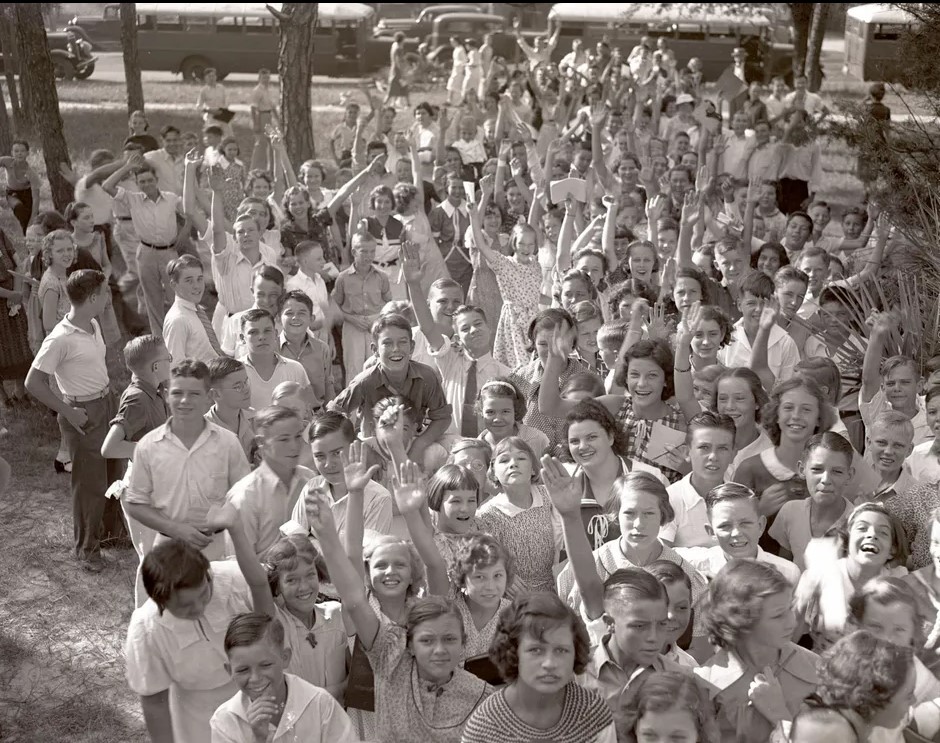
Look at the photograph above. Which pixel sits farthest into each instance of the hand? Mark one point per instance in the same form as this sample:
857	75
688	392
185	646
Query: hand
883	226
409	487
487	184
411	267
355	470
523	133
882	322
753	191
768	317
691	208
217	179
515	168
766	695
874	211
194	157
191	535
701	178
78	418
261	712
658	328
65	170
560	346
362	227
223	516
562	488
639	309
668	274
317	505
599	113
775	495
136	160
655	207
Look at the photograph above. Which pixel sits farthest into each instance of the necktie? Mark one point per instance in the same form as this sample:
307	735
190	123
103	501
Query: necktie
468	425
207	325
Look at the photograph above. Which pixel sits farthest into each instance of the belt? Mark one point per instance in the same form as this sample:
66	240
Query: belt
155	247
386	264
74	399
207	533
123	219
266	112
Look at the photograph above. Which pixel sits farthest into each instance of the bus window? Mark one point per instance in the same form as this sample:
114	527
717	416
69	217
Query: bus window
168	23
228	24
888	31
661	29
259	25
690	32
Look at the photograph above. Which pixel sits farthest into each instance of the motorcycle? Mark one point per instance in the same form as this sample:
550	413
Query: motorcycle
75	61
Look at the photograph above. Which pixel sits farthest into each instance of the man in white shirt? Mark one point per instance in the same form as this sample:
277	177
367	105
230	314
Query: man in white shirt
168	161
736	142
802	98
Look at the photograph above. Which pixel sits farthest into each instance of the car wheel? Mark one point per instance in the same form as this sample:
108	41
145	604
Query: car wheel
86	72
63	68
194	69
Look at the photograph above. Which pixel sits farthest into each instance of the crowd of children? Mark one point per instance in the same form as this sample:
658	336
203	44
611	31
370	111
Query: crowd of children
564	416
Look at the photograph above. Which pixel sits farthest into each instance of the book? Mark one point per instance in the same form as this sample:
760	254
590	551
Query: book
574	187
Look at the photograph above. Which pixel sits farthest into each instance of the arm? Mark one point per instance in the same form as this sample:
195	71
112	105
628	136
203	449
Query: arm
157	717
410	495
873	265
690	215
37	384
597	153
550	400
98	175
352	185
608	236
759	363
219	233
190	189
411	268
110	184
882	325
255	576
682	366
50	301
116	445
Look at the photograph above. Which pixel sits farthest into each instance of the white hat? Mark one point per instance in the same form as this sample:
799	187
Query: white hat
685	98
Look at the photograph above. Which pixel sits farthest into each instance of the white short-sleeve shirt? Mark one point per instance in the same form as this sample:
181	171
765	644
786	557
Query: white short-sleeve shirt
75	357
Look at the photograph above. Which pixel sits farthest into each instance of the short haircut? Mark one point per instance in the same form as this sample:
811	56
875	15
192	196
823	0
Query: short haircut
662	692
713	313
221	367
428	609
267	417
172	566
477	551
298	295
390	321
584	382
625	586
254	315
832	442
893	420
612	334
142	350
520	444
730	491
899	543
586	311
176	267
450	477
191	369
812	251
896	362
445	282
168	129
534	614
668	573
884	592
642	482
411	413
548	319
250	628
289	553
825	372
465	444
306	246
735	600
757	284
709	420
331	422
824	421
83	284
268	273
470	308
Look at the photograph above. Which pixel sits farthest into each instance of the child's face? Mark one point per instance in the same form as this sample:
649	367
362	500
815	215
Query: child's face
63	253
890	446
328	456
816	269
352	112
394	348
852	225
592	266
299	587
473	332
686	292
188	399
625	307
704	261
515	199
798	231
820	216
608	350
233	392
267	294
587	337
676	725
641	262
160	365
711	451
443	303
211	139
19	152
458	507
737	526
525	246
639	630
679	611
836	270
838	318
777	622
475	461
666	245
84	220
901	387
588	442
437	646
485	586
703	391
230	151
891	622
790	296
546	663
736	400
247	234
645	382
871	540
932	412
573	291
751	308
312	262
512	467
283	443
363	253
543	338
552	227
767	198
259	336
707	339
260	188
768	262
827	474
731	264
798	415
258	669
499	416
390	571
640	518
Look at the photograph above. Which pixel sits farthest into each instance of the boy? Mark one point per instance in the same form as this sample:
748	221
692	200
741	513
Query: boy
74	352
732	260
465	370
397	374
814	262
449	222
889	444
775	221
343	137
782	353
735	522
230	394
443	299
185	467
211	139
186	327
298	342
266	368
894	384
267	286
790	285
360	292
257	657
710	439
308	279
266	497
924	461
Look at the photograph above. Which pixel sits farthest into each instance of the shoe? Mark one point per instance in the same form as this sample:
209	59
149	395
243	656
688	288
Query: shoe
92	564
62	467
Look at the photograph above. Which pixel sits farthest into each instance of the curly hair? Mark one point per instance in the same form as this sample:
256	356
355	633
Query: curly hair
534	614
288	553
49	241
665	691
736	597
770	412
477	551
414	560
293	191
657	352
863	673
502	387
715	314
885	592
635	288
450	477
592	410
643	482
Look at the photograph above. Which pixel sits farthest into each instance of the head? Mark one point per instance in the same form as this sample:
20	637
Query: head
825	373
592	434
647	373
821	214
411	424
797	409
58	250
187	278
712	334
624	295
146	178
770	259
436	638
330	435
295	571
483	570
610	338
444	299
229	387
582	386
544	325
279	433
755	290
501	406
267	287
642	508
854	219
147	358
826	464
731	260
666	706
294	397
80	218
257	332
887	607
514	464
540	644
798	230
678	587
211	136
689	288
873	538
363	251
734	519
257	657
710	438
901	382
393	568
454	494
589	319
814	262
475	455
188	392
704	385
392	343
177	579
740	395
790	285
636	612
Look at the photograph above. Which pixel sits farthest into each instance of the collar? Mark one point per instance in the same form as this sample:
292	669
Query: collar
278	360
412	373
726	667
270	479
186	304
170	157
146	387
282	338
70	327
688	493
602	656
449	208
299	697
166	432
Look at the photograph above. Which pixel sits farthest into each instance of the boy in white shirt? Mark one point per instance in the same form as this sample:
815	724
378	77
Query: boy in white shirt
266	368
924	461
187	329
310	262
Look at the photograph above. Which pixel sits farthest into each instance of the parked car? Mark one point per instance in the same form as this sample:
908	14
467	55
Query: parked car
71	58
104	31
416	29
475	26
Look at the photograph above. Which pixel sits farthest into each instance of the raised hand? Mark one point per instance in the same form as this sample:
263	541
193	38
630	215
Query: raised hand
658	328
560	346
523	133
317	506
691	208
515	167
217	179
882	322
487	184
753	191
410	256
562	488
409	487
223	516
768	316
355	467
874	211
599	113
194	157
655	207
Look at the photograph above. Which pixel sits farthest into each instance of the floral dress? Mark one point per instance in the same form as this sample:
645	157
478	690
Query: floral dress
520	285
234	190
639	430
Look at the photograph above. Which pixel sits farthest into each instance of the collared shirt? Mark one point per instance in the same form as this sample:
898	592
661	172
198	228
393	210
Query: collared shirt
231	271
362	293
315	288
169	170
421	388
315	358
142	409
442	221
184	333
792	528
453	365
263	98
376	509
184	483
97	198
734	158
75	357
310	714
472	151
244	429
812	102
688	527
264	502
285	370
924	462
782	353
755	447
764	163
154	221
879	403
709	560
318	653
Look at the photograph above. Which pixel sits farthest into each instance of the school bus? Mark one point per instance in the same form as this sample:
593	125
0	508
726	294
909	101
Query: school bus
243	37
872	41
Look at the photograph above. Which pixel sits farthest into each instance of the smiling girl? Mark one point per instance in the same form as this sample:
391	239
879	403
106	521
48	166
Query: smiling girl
502	409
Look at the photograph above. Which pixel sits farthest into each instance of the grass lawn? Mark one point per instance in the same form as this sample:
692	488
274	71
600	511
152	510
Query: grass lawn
61	630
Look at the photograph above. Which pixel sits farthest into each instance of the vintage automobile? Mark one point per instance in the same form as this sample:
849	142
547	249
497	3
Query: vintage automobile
104	31
70	54
418	28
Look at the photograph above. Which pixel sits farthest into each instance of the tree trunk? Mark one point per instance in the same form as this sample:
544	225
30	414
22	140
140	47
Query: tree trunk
11	67
6	134
802	15
38	77
295	68
135	88
817	32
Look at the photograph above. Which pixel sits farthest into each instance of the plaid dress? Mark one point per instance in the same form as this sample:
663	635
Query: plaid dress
639	431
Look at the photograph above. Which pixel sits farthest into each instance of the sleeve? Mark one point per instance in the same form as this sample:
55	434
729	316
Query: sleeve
238	466
780	529
176	336
789	358
122	197
386	287
339	291
607	735
140	488
145	666
49	356
299	514
348	400
224	728
669	531
438	407
131	416
332	723
378	513
870	410
228	341
435	220
388	649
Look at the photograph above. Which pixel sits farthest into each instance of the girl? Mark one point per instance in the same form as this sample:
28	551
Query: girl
624	296
521	516
679	594
312	176
388	234
575	286
827	466
539	648
502	409
424	132
23	183
519	279
137	132
453	496
667	706
770	258
420	690
740	395
872	545
582	386
291	395
589	320
610	338
81	220
58	254
302	222
702	333
235	171
758	678
458	71
643	262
